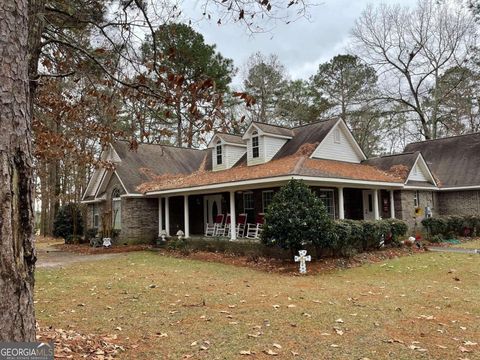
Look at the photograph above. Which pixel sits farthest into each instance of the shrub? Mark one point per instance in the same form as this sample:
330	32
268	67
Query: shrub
398	229
295	218
68	223
90	234
435	225
437	238
341	243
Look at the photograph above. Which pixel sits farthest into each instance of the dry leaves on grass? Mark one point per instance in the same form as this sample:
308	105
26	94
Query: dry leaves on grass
70	344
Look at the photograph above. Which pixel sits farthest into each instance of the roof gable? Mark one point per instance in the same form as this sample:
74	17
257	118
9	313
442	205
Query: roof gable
420	171
268	130
229	139
454	161
339	144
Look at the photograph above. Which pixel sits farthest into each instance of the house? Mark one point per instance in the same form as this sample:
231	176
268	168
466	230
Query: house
160	187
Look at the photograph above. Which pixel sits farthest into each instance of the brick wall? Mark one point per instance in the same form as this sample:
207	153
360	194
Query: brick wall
405	208
459	202
139	220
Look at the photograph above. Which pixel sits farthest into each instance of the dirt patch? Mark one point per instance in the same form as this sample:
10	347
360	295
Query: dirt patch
86	249
289	267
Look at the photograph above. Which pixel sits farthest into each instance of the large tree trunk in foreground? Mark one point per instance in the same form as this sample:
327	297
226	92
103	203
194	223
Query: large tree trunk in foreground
17	257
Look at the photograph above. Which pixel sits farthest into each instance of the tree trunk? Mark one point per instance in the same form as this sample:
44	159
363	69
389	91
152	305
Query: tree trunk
17	255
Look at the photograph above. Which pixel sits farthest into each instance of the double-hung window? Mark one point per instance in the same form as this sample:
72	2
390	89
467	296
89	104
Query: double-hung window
255	145
219	153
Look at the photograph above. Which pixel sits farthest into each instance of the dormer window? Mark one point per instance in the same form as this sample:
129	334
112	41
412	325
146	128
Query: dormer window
219	153
255	147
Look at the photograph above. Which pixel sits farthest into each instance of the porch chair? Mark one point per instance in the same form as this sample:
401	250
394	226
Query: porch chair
224	229
241	225
254	230
211	229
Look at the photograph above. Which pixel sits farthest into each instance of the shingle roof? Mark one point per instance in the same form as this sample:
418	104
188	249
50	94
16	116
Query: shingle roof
297	164
230	138
150	161
313	133
397	164
455	161
274	129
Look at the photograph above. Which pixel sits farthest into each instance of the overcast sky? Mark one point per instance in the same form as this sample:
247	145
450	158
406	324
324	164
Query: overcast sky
301	45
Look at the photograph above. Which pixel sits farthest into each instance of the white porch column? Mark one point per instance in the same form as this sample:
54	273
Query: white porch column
376	212
392	205
160	216
341	208
167	215
186	216
233	217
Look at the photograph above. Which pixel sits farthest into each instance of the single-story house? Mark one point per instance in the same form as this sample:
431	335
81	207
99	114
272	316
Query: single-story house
159	187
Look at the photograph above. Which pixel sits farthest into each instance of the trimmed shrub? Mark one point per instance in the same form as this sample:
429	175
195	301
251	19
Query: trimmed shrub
295	218
453	225
68	223
398	229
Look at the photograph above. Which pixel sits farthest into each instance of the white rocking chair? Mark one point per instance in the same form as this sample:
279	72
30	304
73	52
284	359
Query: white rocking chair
211	229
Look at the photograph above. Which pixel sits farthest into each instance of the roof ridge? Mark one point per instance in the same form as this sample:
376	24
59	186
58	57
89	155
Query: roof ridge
390	155
264	123
444	138
166	145
314	122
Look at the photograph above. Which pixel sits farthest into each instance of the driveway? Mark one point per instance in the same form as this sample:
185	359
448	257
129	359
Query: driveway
49	256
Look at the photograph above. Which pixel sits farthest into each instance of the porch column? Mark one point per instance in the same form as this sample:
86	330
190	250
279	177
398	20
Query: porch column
167	215
392	205
186	216
233	217
160	216
341	209
376	213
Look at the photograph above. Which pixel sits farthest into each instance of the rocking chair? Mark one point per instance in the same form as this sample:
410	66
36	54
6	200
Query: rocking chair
254	230
211	229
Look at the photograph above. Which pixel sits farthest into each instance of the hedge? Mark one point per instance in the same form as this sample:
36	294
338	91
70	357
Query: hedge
454	225
352	236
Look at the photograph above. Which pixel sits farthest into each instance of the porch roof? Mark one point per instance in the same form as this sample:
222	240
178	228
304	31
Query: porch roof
294	165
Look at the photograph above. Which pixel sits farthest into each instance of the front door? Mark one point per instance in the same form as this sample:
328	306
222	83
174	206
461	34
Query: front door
368	212
213	206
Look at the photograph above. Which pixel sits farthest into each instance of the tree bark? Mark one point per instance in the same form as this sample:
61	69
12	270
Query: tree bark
17	255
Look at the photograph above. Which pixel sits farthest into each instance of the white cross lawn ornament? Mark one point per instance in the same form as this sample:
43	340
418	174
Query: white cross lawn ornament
302	259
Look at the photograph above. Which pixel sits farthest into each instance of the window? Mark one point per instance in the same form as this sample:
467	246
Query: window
249	206
326	196
96	216
116	209
416	199
219	153
336	136
370	202
267	197
255	147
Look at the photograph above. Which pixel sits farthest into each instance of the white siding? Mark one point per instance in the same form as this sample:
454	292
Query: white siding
216	167
272	145
233	154
344	150
419	173
261	151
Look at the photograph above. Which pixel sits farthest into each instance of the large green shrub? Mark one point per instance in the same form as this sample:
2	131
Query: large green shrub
68	223
295	218
453	225
398	229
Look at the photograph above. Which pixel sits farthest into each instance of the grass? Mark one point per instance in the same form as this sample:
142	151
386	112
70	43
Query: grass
473	244
406	308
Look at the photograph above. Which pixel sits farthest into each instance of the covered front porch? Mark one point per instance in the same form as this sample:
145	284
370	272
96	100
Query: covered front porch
190	210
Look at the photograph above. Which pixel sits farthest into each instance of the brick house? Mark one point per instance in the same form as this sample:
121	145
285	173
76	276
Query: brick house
160	187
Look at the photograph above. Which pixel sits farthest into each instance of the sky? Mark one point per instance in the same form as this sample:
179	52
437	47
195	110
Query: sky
301	46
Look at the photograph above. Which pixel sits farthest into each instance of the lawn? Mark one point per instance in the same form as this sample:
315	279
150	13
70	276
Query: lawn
160	307
473	244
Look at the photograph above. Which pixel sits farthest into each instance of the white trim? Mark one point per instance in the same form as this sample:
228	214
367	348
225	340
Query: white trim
97	200
264	181
420	156
132	196
263	133
425	188
223	141
392	205
341	204
121	182
456	188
